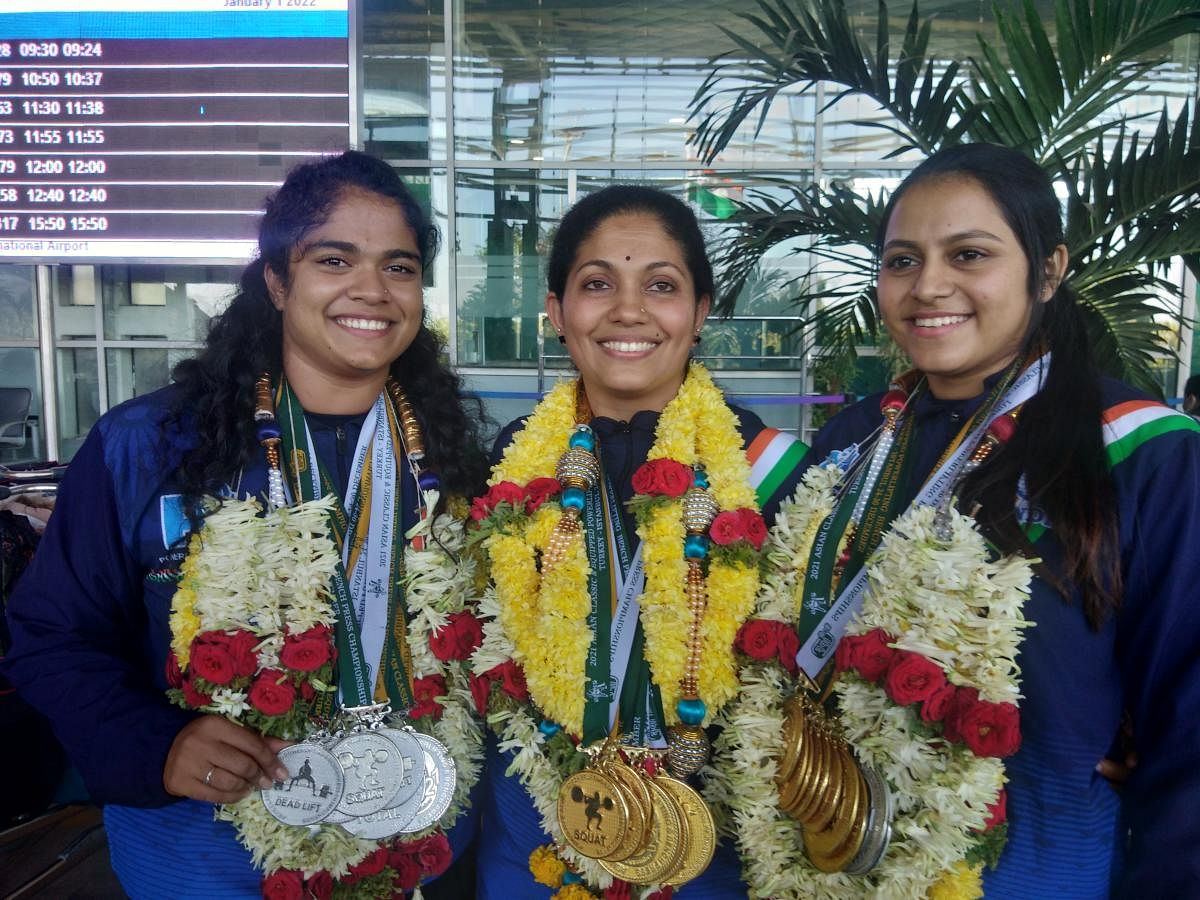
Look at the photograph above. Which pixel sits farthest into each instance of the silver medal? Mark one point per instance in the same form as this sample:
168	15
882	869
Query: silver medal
392	819
440	777
373	771
313	789
879	824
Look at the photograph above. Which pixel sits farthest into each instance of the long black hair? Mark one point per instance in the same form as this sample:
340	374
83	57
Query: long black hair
215	390
1058	445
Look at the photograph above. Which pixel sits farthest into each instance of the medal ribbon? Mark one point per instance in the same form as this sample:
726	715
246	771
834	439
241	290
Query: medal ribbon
821	629
619	686
366	526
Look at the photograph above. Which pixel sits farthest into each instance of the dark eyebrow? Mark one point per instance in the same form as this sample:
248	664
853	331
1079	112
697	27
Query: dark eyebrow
972	235
606	265
348	247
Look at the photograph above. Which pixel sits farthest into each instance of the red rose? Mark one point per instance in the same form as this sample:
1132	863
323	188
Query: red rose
618	890
991	729
505	492
480	509
673	478
212	662
540	490
843	656
912	678
173	672
433	853
644	480
307	651
272	694
964	698
758	638
753	526
458	638
870	653
194	697
663	477
938	703
320	885
241	650
283	884
407	869
424	691
512	679
726	528
789	646
998	811
481	690
666	892
307	691
371	864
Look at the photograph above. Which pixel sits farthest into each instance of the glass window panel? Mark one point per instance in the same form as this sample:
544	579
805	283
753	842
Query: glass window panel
600	82
78	398
74	292
19	368
18	303
133	371
505	220
403	64
164	303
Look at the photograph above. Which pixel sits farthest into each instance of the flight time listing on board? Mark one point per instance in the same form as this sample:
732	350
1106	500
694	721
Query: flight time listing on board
155	128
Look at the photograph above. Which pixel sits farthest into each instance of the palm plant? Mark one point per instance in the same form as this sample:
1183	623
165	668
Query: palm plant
1131	183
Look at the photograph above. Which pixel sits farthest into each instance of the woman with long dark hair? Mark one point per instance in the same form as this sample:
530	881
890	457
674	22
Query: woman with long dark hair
622	527
170	686
993	597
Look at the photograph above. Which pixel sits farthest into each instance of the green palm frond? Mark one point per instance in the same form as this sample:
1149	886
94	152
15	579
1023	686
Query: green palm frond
1050	98
1121	310
800	47
1133	183
823	223
1134	202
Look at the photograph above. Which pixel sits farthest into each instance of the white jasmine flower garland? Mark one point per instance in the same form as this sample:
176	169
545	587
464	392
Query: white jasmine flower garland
945	600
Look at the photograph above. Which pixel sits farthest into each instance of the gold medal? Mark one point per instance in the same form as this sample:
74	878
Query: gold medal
662	853
793	742
701	831
844	854
592	813
830	850
839	773
637	797
819	777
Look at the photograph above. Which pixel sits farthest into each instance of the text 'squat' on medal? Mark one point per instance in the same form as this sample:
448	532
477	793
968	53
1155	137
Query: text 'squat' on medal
592	813
312	790
372	769
396	815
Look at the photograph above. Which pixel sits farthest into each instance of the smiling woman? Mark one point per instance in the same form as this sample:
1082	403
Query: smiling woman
268	547
995	542
622	526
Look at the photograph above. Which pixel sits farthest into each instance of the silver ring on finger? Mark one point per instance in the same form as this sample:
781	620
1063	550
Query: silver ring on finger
208	777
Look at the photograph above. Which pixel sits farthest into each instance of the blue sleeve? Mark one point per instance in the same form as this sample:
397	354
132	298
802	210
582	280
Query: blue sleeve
1158	652
81	651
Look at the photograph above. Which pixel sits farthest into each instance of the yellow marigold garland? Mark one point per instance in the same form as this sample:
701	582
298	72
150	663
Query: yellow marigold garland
546	618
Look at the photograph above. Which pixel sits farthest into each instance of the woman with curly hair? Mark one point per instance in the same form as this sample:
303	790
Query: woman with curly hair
321	378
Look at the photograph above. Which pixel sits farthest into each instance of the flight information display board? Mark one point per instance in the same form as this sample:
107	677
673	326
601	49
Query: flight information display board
154	129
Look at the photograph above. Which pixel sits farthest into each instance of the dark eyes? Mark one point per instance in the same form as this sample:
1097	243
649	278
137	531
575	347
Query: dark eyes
906	261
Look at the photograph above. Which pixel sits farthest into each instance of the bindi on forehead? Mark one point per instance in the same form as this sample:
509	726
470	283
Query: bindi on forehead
628	258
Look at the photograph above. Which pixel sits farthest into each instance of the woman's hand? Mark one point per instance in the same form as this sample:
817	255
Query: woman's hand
213	759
